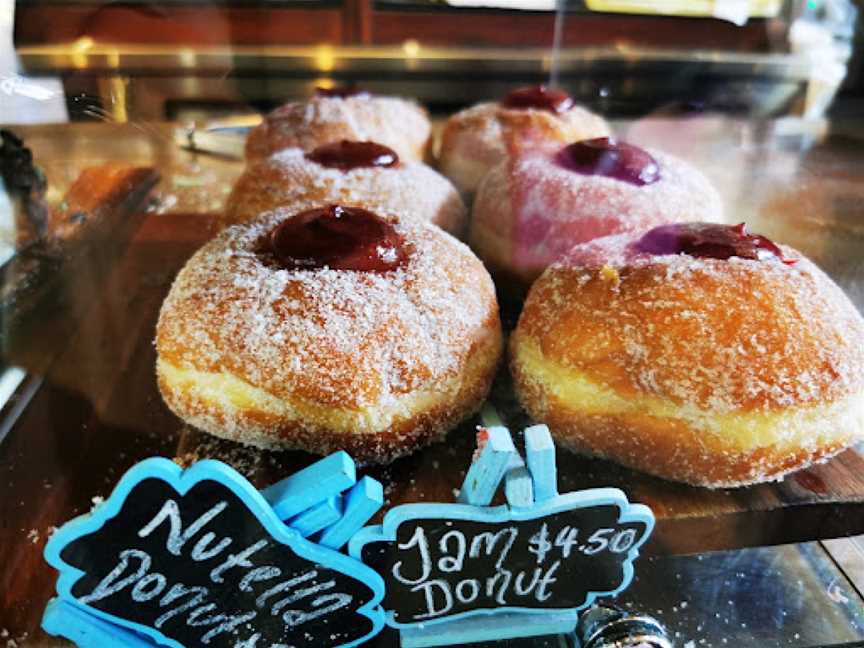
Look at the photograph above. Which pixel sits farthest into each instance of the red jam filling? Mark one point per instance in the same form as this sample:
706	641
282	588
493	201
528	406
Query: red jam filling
607	157
341	238
710	241
539	97
347	155
342	92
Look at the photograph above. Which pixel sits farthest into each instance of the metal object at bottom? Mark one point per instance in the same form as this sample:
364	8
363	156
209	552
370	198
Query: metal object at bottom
611	627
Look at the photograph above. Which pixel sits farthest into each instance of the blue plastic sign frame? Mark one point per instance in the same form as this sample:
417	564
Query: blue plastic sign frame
502	514
182	481
546	502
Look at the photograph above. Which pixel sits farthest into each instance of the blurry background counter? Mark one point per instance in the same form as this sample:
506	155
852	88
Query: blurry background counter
378	22
157	60
158	81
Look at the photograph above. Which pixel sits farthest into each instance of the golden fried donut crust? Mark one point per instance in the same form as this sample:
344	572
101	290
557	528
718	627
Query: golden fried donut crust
259	428
709	338
398	123
362	345
667	447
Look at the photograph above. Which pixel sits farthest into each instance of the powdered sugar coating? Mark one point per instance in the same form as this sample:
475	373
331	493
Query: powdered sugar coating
714	372
477	138
530	210
288	177
718	335
343	338
398	123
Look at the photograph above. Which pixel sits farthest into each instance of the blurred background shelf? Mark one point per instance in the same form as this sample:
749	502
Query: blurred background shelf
167	60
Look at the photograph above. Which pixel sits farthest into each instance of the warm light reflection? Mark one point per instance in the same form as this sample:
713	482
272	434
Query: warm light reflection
411	48
324	59
324	82
79	51
186	56
82	44
118	99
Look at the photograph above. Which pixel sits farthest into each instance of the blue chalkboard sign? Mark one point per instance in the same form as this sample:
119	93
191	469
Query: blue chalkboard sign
543	554
199	557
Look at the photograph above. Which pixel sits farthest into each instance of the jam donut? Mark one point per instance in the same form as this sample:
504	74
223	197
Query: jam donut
696	352
365	174
539	202
476	139
336	114
333	328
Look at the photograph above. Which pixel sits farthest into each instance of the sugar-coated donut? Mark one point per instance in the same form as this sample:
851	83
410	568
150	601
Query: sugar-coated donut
353	173
695	352
330	116
477	138
540	201
335	328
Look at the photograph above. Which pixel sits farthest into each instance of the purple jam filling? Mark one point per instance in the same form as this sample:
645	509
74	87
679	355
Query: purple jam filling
710	241
607	157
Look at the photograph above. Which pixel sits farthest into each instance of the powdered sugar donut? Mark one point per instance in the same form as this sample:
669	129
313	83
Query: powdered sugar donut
333	115
477	138
540	201
365	174
333	328
695	352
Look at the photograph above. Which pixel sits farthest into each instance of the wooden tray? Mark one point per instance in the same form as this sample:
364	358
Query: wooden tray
90	409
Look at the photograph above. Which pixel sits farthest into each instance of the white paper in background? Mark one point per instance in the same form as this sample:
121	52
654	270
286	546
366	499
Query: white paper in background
523	5
827	57
5	207
735	11
10	379
7	225
25	100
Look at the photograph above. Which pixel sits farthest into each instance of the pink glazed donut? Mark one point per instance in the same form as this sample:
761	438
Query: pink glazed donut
542	200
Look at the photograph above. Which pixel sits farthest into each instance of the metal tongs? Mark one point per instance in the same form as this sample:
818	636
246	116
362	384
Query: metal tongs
225	137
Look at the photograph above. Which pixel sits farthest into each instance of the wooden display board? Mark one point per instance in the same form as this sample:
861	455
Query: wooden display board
89	409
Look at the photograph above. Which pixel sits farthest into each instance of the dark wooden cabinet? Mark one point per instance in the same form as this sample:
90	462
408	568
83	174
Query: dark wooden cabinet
363	22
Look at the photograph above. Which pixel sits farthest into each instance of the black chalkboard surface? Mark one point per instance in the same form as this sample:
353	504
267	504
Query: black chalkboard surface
445	561
201	568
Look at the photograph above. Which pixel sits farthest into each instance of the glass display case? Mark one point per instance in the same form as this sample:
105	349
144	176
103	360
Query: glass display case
141	138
